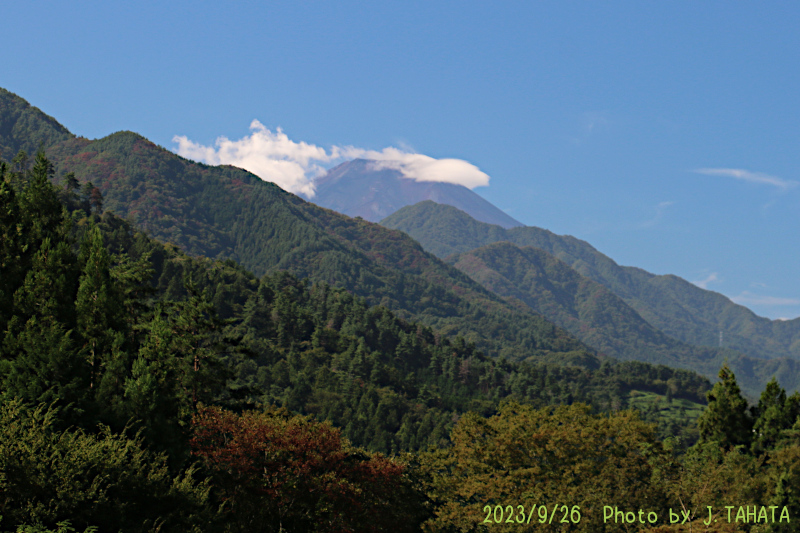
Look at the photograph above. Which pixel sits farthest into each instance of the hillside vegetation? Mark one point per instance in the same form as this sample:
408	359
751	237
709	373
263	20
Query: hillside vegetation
24	127
144	389
115	345
224	212
601	303
673	305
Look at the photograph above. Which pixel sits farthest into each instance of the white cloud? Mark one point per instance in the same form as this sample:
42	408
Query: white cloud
748	298
703	283
752	177
294	165
421	167
271	156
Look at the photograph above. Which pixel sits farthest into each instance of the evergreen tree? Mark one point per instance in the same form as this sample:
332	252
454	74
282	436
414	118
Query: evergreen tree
199	347
726	421
177	366
48	475
96	306
71	183
772	416
40	207
44	367
11	268
39	277
96	199
19	168
86	196
132	283
151	394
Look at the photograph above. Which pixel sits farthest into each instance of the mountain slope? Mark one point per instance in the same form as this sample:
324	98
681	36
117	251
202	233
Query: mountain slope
225	212
539	277
359	188
673	305
24	127
584	307
390	384
595	315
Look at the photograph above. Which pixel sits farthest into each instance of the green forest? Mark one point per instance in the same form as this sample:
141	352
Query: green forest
144	389
564	302
625	312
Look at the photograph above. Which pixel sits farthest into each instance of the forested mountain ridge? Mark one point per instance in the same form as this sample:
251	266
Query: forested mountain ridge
226	212
598	317
138	392
577	303
121	343
24	127
673	305
566	288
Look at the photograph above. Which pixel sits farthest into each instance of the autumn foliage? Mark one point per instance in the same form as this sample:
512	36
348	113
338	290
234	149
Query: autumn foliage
276	471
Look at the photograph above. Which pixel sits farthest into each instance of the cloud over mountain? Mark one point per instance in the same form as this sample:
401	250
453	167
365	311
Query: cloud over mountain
294	166
271	156
421	167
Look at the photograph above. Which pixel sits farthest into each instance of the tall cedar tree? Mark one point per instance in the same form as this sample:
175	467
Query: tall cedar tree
38	359
96	307
726	421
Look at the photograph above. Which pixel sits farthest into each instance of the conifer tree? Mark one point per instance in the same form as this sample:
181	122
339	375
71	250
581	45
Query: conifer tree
774	415
19	168
39	276
48	475
199	347
95	305
11	271
44	367
177	366
71	183
726	420
41	210
150	390
86	197
96	199
131	280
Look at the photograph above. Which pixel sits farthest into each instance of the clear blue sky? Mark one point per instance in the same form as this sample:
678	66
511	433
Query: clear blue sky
591	118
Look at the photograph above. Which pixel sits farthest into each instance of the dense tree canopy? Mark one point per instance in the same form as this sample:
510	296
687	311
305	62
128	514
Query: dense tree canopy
142	389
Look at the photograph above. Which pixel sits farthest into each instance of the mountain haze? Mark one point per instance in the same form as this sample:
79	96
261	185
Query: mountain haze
360	188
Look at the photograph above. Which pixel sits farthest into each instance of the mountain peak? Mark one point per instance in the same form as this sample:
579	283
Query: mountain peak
25	127
373	191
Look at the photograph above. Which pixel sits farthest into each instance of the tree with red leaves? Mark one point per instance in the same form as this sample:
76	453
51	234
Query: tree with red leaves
277	472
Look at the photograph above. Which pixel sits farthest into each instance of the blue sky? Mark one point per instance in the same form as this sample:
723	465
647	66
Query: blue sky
667	134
